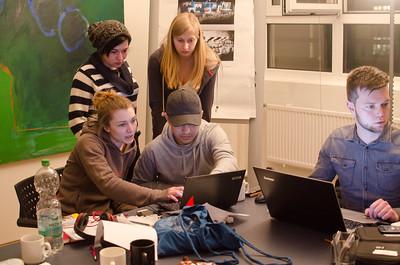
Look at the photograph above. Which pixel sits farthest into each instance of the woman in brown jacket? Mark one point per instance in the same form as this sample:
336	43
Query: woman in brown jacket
93	178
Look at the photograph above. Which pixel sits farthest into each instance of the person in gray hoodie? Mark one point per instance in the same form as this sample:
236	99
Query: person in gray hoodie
188	146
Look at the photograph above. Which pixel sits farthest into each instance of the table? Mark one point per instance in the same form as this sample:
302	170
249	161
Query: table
303	245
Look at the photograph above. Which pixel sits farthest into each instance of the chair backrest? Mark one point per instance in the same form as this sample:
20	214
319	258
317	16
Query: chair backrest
28	198
129	175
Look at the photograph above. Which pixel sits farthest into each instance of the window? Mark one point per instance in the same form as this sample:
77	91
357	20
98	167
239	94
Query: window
362	6
367	44
300	46
316	1
274	8
312	6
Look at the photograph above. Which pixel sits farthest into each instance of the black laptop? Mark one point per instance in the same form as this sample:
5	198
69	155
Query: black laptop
220	190
305	201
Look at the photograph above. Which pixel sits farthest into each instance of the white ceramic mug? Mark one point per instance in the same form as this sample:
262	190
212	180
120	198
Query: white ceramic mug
113	256
12	262
243	190
33	248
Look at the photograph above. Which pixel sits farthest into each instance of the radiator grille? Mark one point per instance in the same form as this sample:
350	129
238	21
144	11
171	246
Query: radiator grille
295	135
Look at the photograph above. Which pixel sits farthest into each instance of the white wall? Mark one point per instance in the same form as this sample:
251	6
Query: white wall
137	13
10	174
257	137
238	134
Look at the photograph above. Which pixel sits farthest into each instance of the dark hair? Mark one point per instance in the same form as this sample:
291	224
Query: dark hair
114	42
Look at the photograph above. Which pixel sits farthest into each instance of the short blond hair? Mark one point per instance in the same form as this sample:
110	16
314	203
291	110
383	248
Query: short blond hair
365	77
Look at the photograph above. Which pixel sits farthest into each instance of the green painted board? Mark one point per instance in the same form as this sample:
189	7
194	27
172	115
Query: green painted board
42	43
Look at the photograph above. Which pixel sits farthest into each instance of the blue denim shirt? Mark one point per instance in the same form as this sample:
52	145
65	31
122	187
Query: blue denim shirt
366	172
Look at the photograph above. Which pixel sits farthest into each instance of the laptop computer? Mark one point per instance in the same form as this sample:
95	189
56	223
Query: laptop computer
305	201
220	190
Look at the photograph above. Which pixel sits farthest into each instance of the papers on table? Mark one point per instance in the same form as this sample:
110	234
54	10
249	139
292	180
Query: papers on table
149	220
219	215
122	234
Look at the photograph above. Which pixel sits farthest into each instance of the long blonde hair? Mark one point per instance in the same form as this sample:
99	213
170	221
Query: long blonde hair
106	102
205	58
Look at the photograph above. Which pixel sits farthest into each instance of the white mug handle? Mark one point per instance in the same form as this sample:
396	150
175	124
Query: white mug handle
145	258
246	187
46	249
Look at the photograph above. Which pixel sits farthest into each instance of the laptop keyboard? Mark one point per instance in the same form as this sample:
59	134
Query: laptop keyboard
351	224
168	206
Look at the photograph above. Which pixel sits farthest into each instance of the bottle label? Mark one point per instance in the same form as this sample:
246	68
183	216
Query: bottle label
56	228
44	229
50	223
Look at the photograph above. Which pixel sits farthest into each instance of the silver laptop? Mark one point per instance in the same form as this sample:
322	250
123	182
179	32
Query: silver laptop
220	190
306	201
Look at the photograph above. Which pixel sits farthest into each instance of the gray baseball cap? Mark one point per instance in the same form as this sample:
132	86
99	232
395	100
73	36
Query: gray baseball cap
184	107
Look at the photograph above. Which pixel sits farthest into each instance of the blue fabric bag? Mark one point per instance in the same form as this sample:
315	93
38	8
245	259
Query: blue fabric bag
193	231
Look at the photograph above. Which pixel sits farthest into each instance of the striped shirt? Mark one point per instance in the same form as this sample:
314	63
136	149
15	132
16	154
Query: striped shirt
87	81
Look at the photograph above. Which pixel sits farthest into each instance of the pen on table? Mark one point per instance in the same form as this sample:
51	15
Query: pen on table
139	223
93	252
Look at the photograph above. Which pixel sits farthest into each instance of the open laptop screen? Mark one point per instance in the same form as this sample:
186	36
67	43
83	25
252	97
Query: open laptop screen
301	200
220	190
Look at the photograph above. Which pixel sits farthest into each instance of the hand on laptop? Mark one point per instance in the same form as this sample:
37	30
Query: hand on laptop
381	209
174	193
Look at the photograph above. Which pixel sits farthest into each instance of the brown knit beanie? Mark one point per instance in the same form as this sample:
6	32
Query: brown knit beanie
102	32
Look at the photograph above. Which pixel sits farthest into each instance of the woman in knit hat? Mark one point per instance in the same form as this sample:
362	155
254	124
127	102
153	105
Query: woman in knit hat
183	60
106	69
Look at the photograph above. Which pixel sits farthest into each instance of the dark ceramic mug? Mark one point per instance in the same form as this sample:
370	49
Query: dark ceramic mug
142	252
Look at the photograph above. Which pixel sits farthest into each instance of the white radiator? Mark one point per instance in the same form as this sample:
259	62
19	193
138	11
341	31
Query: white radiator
295	135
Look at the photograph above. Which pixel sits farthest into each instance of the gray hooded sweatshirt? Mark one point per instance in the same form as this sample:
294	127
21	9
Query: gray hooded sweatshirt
163	161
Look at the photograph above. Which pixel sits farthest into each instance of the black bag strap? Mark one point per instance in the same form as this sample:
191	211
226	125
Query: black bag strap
286	260
234	258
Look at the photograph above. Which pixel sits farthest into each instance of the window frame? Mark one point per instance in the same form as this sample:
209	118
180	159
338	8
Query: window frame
338	23
292	7
336	78
346	11
273	10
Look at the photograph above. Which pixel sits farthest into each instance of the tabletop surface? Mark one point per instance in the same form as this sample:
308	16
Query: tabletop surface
303	245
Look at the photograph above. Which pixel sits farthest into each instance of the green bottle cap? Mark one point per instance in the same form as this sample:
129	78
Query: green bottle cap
45	162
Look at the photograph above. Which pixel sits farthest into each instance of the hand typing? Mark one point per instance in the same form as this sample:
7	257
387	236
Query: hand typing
381	209
174	193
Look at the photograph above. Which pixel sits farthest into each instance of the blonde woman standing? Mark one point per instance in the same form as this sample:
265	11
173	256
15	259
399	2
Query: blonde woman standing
183	60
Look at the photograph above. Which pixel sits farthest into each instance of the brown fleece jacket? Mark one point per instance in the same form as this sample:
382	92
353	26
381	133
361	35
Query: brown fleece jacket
93	176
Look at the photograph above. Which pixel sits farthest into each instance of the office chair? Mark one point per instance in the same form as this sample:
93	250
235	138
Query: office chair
28	198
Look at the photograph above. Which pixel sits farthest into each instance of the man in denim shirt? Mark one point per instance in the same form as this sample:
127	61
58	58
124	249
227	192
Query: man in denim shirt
365	156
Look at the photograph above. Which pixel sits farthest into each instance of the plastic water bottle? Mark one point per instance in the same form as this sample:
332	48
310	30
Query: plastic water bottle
48	208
